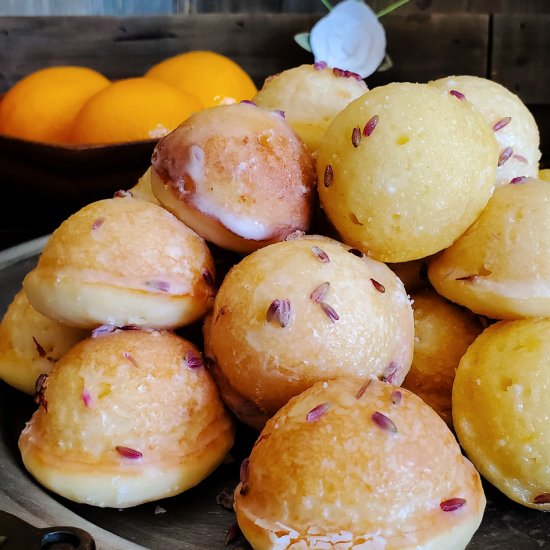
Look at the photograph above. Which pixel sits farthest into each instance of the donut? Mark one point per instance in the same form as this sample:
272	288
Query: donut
442	333
500	266
310	96
352	464
31	344
236	174
142	189
500	408
304	310
405	169
512	123
122	261
126	417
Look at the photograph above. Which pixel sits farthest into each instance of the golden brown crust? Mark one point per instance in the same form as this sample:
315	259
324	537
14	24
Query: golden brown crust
500	267
132	389
122	261
367	463
349	315
30	344
236	174
442	333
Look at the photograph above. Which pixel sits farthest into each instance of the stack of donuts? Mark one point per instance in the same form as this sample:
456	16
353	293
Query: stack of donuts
388	283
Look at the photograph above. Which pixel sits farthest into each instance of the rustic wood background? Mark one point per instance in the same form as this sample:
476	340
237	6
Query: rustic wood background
505	40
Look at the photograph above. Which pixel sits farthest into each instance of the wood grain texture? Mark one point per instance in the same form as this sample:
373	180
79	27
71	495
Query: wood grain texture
149	7
521	48
423	46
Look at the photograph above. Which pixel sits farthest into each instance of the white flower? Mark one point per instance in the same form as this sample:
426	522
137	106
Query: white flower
350	37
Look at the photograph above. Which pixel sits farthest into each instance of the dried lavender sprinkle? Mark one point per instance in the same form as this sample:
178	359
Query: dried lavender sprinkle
356	252
319	65
519	179
328	176
280	113
390	373
505	155
378	286
543	498
396	397
363	388
520	158
41	351
502	123
248	102
163	286
382	421
356	136
128	356
370	126
280	311
319	294
102	330
457	94
318	411
473	277
452	504
208	279
97	224
194	360
345	73
86	397
329	311
121	194
128	452
320	254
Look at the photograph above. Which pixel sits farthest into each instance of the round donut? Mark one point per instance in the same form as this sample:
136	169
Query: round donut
142	189
405	169
122	261
442	333
500	267
310	96
31	344
353	464
125	418
512	123
236	174
300	311
501	409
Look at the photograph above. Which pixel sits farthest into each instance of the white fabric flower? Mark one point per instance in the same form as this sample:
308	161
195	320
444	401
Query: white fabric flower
350	37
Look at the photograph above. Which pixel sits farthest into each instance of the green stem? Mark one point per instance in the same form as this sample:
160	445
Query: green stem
390	8
328	5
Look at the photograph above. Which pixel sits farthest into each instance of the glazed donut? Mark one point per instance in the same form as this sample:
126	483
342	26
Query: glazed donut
304	310
501	409
310	96
236	174
127	417
30	344
512	123
122	261
500	267
405	169
442	333
142	189
351	464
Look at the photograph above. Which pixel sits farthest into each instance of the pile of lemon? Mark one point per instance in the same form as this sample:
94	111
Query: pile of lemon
77	105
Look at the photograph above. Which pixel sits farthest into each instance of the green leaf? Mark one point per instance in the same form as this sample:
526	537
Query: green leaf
302	39
391	7
327	4
386	64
